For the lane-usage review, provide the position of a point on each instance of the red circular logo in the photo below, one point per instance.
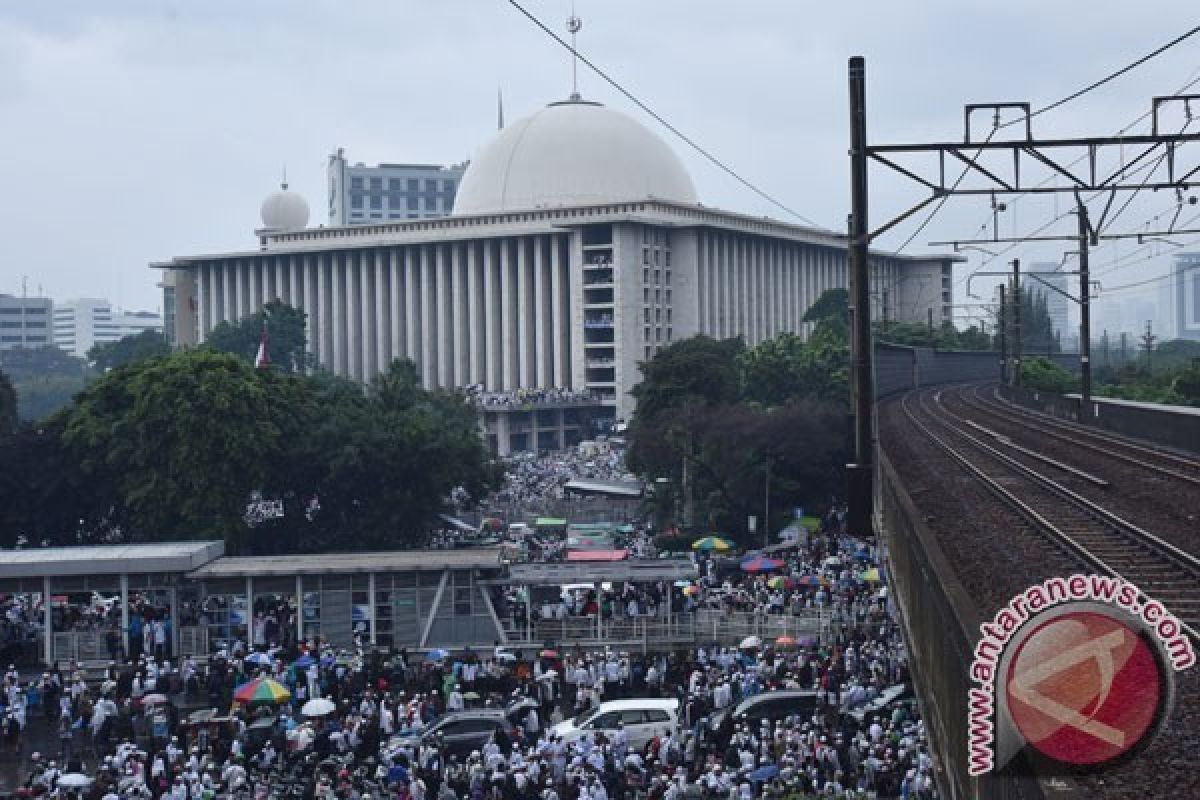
(1084, 688)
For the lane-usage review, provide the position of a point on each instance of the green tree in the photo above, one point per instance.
(109, 355)
(286, 338)
(833, 305)
(185, 439)
(1043, 374)
(697, 370)
(8, 406)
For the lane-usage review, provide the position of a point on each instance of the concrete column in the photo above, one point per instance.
(173, 603)
(250, 613)
(508, 331)
(201, 302)
(396, 301)
(294, 288)
(337, 280)
(541, 367)
(47, 623)
(430, 324)
(458, 299)
(476, 302)
(242, 285)
(300, 608)
(412, 308)
(560, 329)
(525, 311)
(493, 365)
(228, 276)
(370, 604)
(124, 609)
(381, 324)
(363, 312)
(312, 303)
(446, 327)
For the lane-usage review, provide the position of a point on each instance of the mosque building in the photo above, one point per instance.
(576, 249)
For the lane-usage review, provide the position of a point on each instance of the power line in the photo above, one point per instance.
(1106, 79)
(686, 139)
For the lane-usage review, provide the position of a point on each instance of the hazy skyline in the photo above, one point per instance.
(136, 132)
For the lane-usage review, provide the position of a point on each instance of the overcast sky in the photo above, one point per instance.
(136, 131)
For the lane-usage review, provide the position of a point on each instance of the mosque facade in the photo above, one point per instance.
(577, 249)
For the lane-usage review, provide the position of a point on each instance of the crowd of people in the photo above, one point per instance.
(129, 734)
(538, 481)
(519, 398)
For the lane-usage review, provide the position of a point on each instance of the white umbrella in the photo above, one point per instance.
(318, 707)
(750, 643)
(549, 675)
(73, 780)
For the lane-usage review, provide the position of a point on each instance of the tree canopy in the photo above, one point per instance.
(286, 335)
(8, 406)
(193, 444)
(110, 355)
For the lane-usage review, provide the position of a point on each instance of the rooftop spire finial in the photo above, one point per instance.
(283, 183)
(574, 23)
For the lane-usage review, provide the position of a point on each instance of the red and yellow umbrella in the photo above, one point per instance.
(786, 641)
(261, 690)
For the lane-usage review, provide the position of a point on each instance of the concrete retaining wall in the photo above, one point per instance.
(1176, 427)
(899, 368)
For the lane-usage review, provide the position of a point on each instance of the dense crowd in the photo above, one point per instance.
(517, 398)
(534, 481)
(122, 737)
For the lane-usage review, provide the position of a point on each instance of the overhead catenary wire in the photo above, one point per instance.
(660, 119)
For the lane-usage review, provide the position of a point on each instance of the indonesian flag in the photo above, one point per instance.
(263, 358)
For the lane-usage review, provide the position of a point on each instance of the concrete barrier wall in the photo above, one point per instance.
(899, 368)
(941, 624)
(1171, 426)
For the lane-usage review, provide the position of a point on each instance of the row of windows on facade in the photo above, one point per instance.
(658, 315)
(401, 184)
(23, 310)
(655, 334)
(656, 256)
(33, 323)
(659, 297)
(661, 277)
(26, 339)
(398, 201)
(656, 236)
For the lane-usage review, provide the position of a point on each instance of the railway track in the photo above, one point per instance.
(1162, 462)
(1096, 538)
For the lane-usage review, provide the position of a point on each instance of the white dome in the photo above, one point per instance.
(284, 211)
(569, 154)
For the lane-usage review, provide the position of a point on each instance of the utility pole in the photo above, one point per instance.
(1002, 326)
(1148, 339)
(1016, 309)
(859, 474)
(1085, 316)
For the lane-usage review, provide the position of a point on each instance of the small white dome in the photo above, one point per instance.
(569, 154)
(284, 211)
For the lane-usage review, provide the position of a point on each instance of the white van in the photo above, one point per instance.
(642, 718)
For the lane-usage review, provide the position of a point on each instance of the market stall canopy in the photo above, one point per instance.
(632, 570)
(595, 486)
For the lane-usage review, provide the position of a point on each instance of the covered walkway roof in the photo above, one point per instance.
(595, 486)
(638, 571)
(108, 559)
(333, 563)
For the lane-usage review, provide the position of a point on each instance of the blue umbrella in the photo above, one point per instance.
(304, 662)
(763, 774)
(437, 654)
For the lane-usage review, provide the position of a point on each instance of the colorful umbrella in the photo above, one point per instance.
(870, 575)
(261, 690)
(548, 653)
(691, 590)
(761, 564)
(814, 580)
(781, 582)
(785, 641)
(712, 543)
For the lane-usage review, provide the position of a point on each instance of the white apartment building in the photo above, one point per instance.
(81, 324)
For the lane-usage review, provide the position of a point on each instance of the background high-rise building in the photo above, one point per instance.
(360, 195)
(80, 324)
(24, 321)
(1057, 305)
(1185, 285)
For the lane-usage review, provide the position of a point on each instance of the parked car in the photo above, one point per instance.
(885, 698)
(642, 718)
(772, 706)
(461, 731)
